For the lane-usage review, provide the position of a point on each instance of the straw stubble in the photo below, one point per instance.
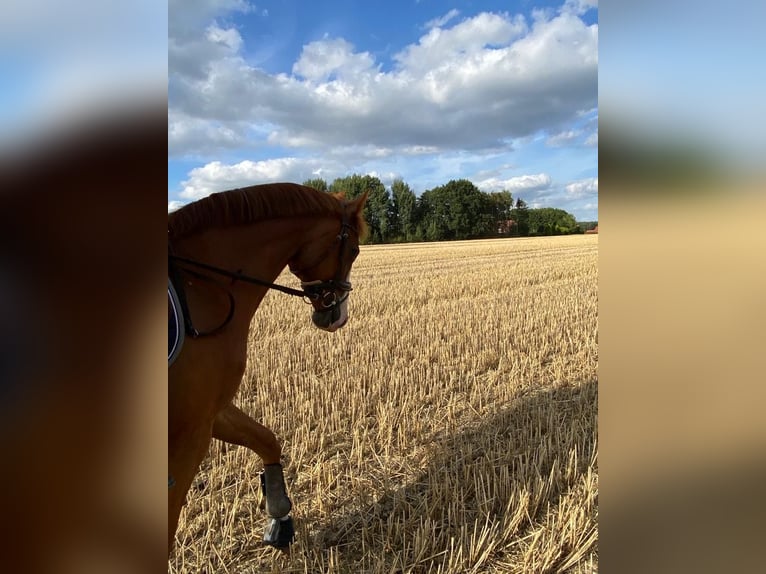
(449, 427)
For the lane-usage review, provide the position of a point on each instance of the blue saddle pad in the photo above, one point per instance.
(175, 324)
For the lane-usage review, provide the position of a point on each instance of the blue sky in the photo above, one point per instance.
(501, 93)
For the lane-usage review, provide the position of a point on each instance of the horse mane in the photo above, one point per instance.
(252, 204)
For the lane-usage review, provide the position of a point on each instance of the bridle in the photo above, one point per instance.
(323, 293)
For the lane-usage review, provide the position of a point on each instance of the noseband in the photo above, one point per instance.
(326, 292)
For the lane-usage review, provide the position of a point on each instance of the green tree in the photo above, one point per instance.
(403, 211)
(426, 228)
(551, 221)
(434, 232)
(502, 204)
(432, 220)
(377, 210)
(457, 210)
(520, 214)
(317, 183)
(586, 225)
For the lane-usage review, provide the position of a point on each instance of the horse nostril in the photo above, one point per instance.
(322, 319)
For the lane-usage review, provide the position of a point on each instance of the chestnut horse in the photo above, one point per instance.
(225, 251)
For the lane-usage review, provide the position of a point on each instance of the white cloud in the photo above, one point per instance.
(227, 37)
(193, 136)
(465, 91)
(386, 178)
(175, 204)
(447, 48)
(517, 184)
(419, 150)
(579, 6)
(217, 176)
(582, 188)
(442, 20)
(188, 14)
(563, 138)
(486, 80)
(279, 138)
(326, 58)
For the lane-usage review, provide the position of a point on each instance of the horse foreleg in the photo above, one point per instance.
(235, 427)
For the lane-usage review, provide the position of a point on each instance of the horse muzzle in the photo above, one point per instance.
(330, 309)
(331, 319)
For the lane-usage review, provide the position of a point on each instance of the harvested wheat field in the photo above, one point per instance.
(449, 427)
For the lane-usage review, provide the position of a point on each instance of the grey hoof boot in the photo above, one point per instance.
(278, 504)
(279, 533)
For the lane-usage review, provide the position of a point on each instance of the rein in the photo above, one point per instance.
(323, 291)
(241, 277)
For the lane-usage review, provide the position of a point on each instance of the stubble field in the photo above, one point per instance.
(450, 426)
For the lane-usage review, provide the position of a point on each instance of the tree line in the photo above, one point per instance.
(456, 210)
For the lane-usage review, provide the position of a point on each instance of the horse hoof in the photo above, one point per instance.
(279, 533)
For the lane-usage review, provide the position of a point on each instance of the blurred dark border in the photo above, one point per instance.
(82, 273)
(681, 308)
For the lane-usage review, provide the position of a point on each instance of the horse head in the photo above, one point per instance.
(324, 265)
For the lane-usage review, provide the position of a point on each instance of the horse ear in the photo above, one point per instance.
(358, 203)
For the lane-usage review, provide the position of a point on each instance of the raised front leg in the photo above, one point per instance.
(235, 427)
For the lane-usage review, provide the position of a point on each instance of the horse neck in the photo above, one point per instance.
(261, 250)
